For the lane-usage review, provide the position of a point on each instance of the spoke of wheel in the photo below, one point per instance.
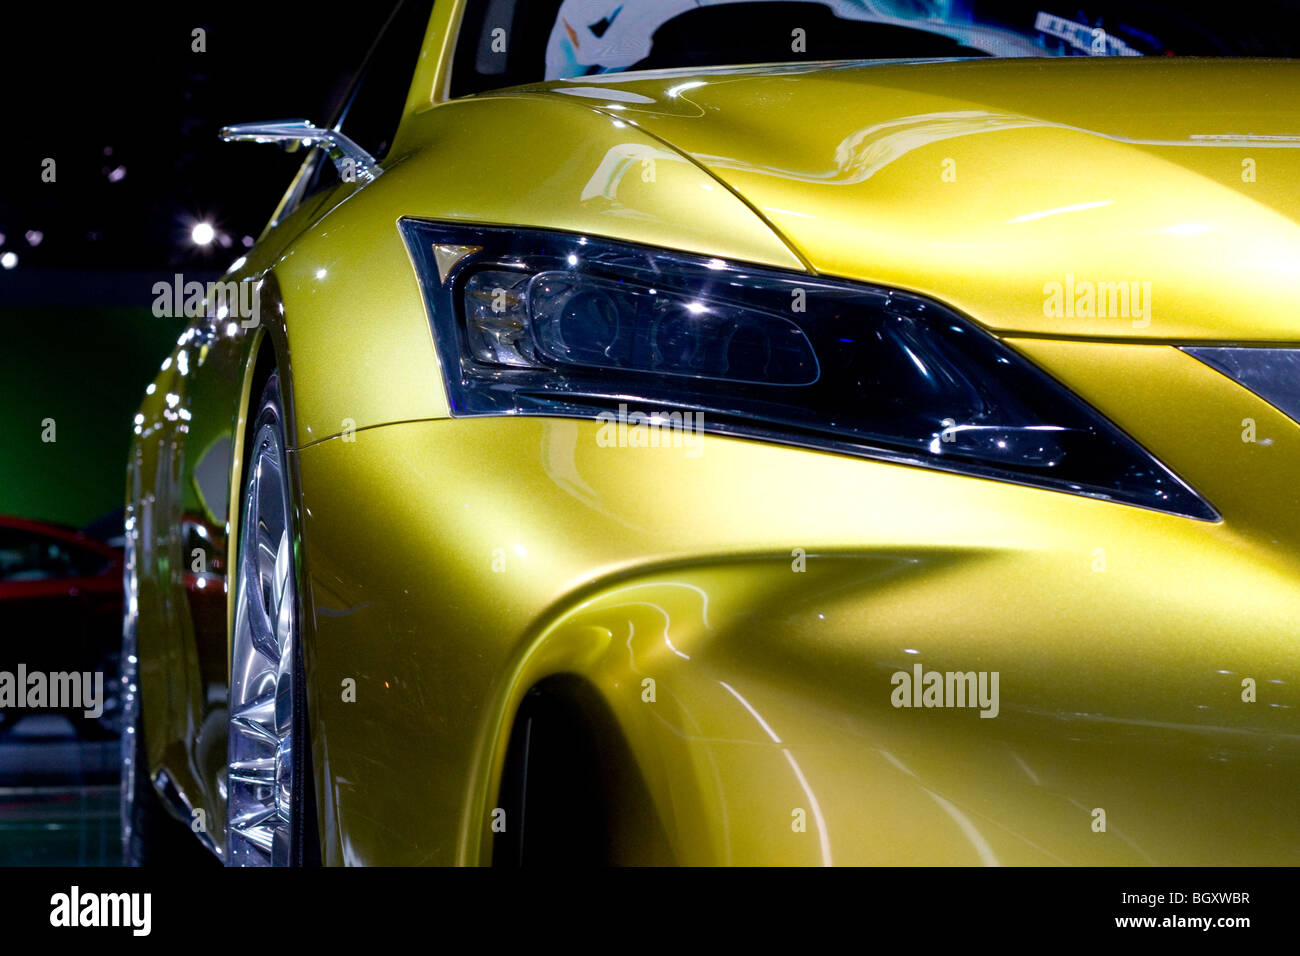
(258, 770)
(261, 837)
(256, 819)
(257, 717)
(281, 578)
(255, 729)
(257, 620)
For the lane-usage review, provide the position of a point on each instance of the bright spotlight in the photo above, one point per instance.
(203, 233)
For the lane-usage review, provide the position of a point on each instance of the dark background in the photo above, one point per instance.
(117, 96)
(114, 87)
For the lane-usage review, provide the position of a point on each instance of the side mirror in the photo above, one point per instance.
(352, 162)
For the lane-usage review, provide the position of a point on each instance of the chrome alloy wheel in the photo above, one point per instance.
(260, 780)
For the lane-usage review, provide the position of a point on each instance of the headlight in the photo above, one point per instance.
(542, 323)
(1272, 374)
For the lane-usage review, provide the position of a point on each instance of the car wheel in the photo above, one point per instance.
(270, 819)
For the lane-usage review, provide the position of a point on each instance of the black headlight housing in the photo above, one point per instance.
(532, 322)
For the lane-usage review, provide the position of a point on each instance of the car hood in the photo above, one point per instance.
(1036, 195)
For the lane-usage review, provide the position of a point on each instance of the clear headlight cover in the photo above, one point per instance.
(1271, 373)
(543, 323)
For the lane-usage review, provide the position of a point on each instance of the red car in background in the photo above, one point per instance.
(61, 611)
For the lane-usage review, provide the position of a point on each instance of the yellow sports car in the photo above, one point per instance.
(673, 431)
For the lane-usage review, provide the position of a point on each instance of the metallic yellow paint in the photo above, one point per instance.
(433, 71)
(980, 182)
(367, 355)
(1121, 635)
(773, 686)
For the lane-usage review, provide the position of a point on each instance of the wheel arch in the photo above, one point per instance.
(598, 657)
(269, 354)
(570, 783)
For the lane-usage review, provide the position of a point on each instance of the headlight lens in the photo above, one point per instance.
(541, 323)
(1272, 374)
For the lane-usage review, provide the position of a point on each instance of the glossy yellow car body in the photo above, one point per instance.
(449, 565)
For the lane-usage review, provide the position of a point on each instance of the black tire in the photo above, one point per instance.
(306, 835)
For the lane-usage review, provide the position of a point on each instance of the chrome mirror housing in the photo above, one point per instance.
(352, 162)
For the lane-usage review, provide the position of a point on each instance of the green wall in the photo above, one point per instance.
(86, 369)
